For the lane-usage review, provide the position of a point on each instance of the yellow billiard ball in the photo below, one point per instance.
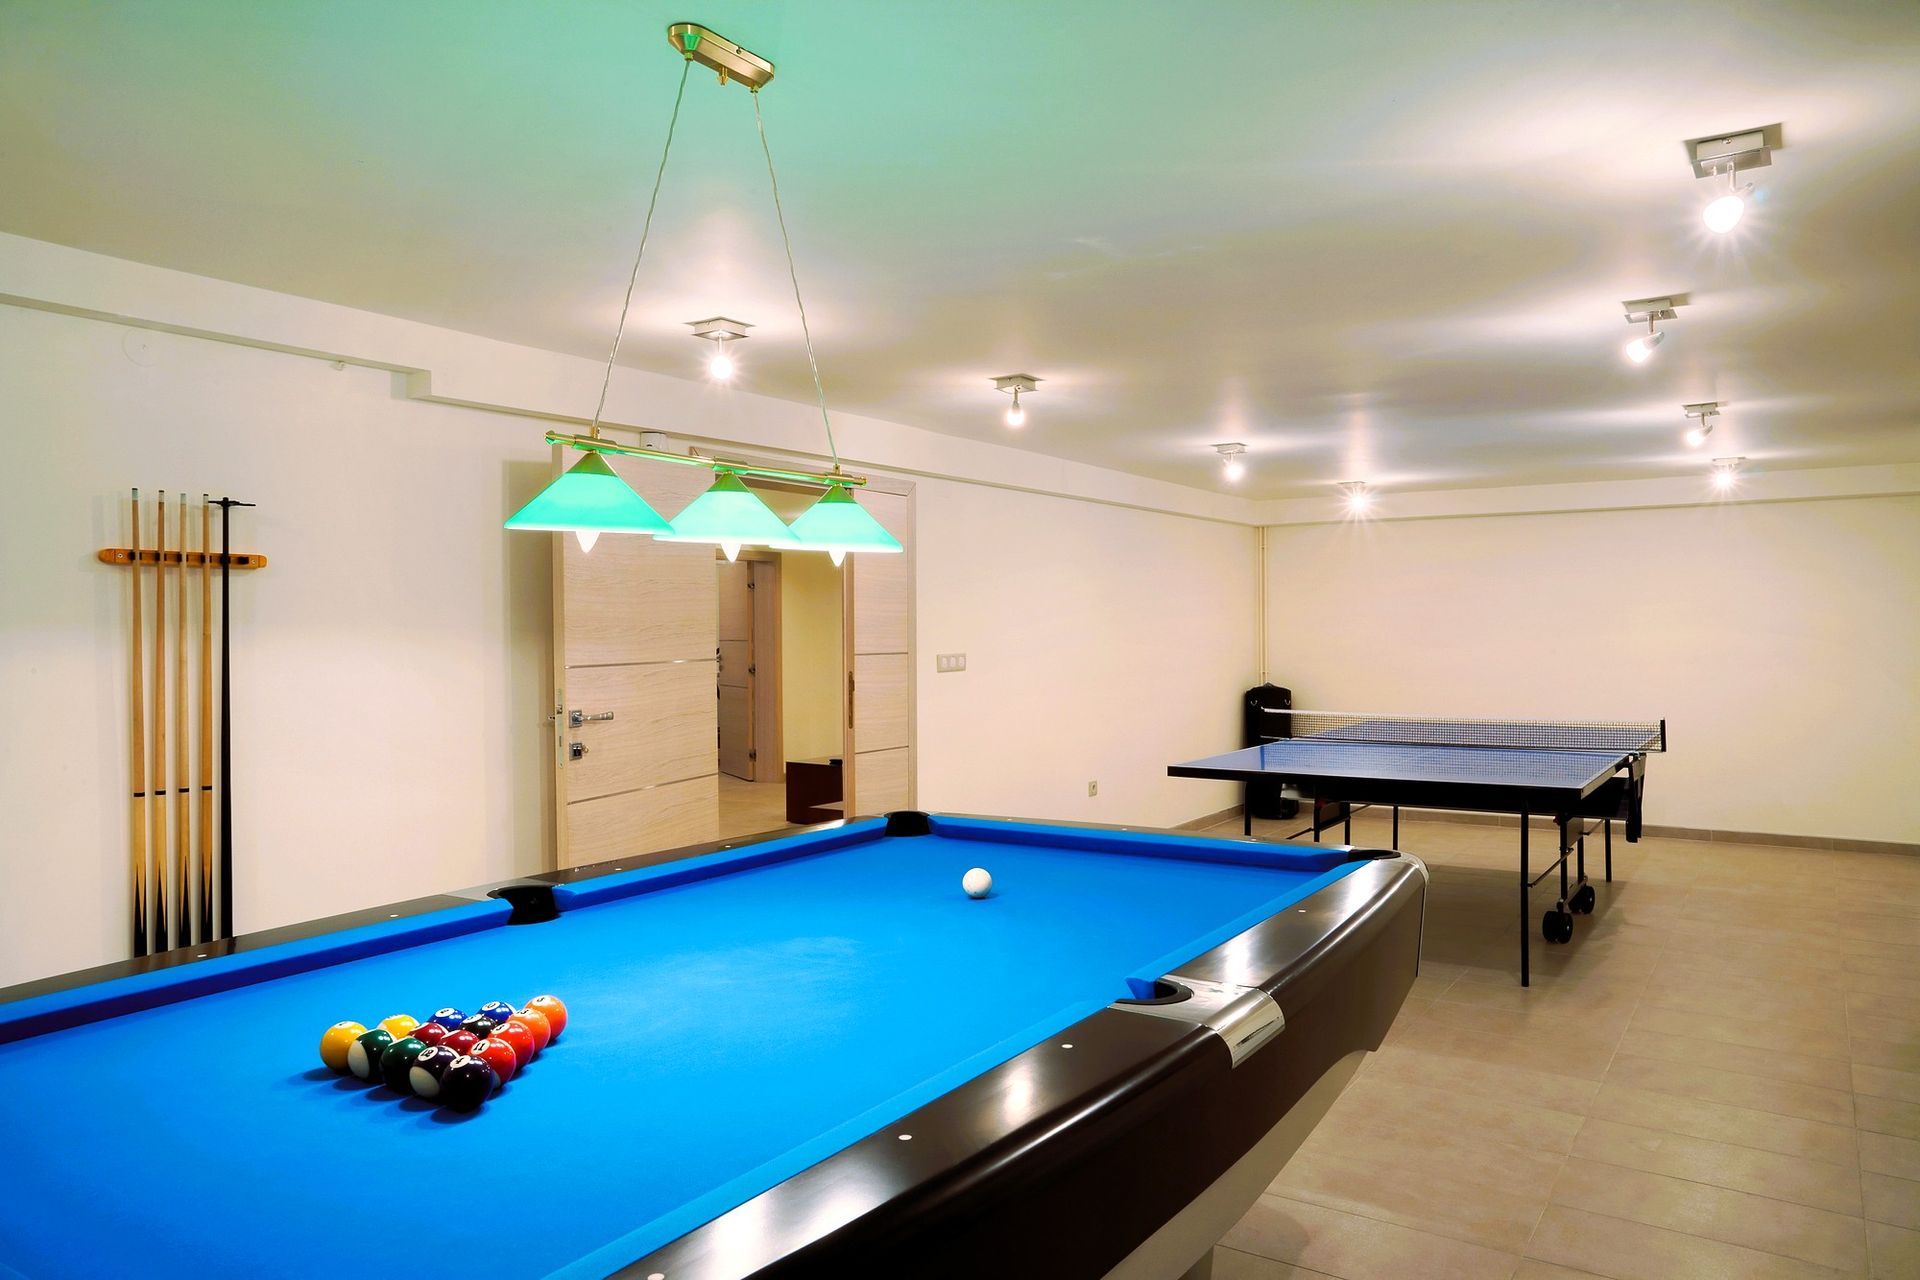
(336, 1041)
(400, 1025)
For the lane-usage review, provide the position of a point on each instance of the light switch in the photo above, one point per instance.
(949, 662)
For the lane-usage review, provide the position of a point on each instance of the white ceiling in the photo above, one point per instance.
(1379, 241)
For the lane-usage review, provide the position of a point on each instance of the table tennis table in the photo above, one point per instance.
(1581, 773)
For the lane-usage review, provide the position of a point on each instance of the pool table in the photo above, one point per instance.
(804, 1055)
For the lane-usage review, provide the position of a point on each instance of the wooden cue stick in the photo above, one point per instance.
(182, 828)
(157, 784)
(206, 720)
(137, 760)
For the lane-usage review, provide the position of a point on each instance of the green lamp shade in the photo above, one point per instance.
(836, 524)
(732, 516)
(589, 499)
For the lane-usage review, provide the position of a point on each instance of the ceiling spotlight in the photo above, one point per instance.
(1728, 154)
(1014, 384)
(1230, 464)
(1359, 497)
(1640, 350)
(720, 331)
(1726, 473)
(1706, 412)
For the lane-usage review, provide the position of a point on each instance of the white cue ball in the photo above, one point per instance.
(977, 883)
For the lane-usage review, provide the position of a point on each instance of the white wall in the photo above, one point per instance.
(391, 663)
(1102, 644)
(1780, 640)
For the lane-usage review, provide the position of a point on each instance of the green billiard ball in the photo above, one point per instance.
(397, 1061)
(363, 1055)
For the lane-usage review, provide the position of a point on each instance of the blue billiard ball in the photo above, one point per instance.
(497, 1010)
(450, 1018)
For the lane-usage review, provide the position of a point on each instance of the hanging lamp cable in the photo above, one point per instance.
(794, 275)
(646, 229)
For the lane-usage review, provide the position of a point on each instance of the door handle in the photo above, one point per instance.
(576, 718)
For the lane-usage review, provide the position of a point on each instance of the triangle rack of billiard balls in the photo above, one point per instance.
(454, 1059)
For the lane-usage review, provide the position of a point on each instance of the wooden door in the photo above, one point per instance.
(879, 655)
(735, 677)
(635, 629)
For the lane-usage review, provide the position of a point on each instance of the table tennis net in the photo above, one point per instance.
(1450, 731)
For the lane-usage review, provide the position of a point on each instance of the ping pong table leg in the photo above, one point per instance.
(1396, 826)
(1246, 814)
(1607, 825)
(1346, 825)
(1525, 937)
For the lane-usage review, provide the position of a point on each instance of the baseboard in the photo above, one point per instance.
(1837, 844)
(1211, 820)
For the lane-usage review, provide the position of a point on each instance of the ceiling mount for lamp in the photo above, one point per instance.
(720, 331)
(1726, 156)
(1230, 464)
(1706, 411)
(1646, 311)
(720, 55)
(1014, 384)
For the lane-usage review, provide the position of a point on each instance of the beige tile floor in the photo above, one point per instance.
(1719, 1076)
(749, 808)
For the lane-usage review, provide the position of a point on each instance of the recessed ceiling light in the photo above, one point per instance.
(1014, 384)
(1230, 464)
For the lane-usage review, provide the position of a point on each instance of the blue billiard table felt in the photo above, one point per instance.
(733, 1020)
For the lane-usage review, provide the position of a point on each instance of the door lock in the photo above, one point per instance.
(575, 750)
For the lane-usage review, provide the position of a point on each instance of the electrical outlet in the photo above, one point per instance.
(1093, 788)
(949, 662)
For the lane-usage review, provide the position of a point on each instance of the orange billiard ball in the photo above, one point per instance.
(550, 1008)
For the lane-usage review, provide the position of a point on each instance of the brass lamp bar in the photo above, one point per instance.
(599, 444)
(718, 54)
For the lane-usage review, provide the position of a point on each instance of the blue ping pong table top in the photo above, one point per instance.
(1326, 757)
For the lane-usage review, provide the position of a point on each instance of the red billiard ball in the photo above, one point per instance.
(499, 1055)
(552, 1010)
(431, 1033)
(517, 1037)
(460, 1041)
(537, 1023)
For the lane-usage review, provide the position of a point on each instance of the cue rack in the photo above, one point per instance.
(174, 843)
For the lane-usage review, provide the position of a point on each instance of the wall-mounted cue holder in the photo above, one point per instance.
(193, 559)
(180, 858)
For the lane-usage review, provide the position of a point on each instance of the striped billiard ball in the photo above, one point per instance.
(364, 1054)
(467, 1083)
(429, 1068)
(536, 1022)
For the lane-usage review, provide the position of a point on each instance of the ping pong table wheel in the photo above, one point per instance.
(1557, 926)
(1583, 900)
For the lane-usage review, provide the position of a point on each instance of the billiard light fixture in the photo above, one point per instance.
(1726, 473)
(590, 498)
(720, 331)
(1727, 155)
(1230, 464)
(1014, 384)
(1648, 310)
(1359, 496)
(1706, 412)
